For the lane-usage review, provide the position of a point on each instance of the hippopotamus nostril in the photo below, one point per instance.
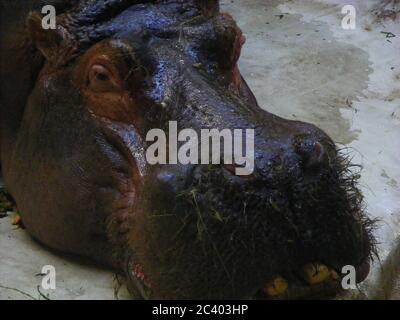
(312, 153)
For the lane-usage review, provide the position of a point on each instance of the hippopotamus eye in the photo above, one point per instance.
(101, 79)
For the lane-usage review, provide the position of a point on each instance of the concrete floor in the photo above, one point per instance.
(301, 65)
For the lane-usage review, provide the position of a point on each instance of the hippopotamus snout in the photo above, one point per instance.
(218, 234)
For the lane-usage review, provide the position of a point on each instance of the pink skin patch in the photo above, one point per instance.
(138, 272)
(318, 149)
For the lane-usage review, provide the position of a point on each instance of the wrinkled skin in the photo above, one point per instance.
(76, 104)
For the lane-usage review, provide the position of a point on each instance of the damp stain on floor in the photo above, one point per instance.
(298, 70)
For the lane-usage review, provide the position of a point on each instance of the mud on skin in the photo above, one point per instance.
(76, 104)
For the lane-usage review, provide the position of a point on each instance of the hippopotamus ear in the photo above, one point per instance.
(56, 45)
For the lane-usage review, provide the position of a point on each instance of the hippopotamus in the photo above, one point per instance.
(76, 104)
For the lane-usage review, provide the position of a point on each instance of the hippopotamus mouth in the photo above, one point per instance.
(283, 232)
(316, 281)
(248, 238)
(116, 70)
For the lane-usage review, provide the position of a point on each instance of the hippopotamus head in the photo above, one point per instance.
(115, 70)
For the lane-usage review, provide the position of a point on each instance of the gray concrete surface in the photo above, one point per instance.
(301, 65)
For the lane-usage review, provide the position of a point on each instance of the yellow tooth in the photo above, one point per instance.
(315, 273)
(276, 287)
